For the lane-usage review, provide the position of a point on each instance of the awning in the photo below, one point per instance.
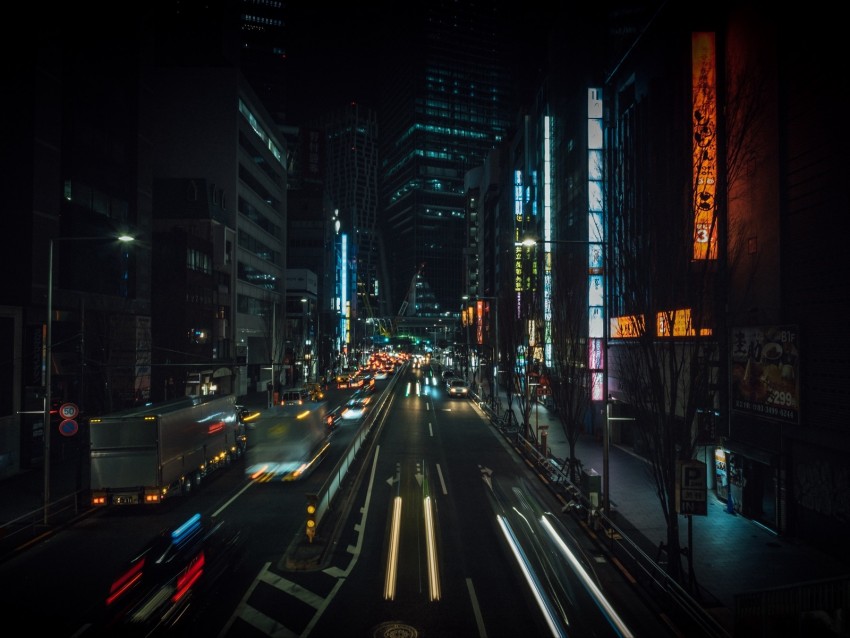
(222, 372)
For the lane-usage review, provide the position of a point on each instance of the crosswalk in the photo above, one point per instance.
(283, 604)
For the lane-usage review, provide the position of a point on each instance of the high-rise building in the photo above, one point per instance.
(262, 52)
(74, 302)
(449, 98)
(351, 185)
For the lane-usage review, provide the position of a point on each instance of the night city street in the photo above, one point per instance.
(424, 319)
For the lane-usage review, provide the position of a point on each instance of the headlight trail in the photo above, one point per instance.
(431, 543)
(391, 575)
(534, 585)
(603, 603)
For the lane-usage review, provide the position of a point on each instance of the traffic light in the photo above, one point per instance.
(312, 509)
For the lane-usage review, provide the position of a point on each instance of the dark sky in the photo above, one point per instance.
(333, 55)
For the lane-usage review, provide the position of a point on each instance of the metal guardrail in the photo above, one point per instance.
(650, 573)
(328, 491)
(23, 530)
(815, 608)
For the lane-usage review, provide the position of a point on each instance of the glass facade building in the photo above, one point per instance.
(450, 101)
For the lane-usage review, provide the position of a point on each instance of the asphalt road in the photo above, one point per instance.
(418, 548)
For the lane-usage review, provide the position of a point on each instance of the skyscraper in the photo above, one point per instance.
(449, 98)
(351, 186)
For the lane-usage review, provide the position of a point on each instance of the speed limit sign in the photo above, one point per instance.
(68, 411)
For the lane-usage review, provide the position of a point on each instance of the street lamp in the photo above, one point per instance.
(48, 358)
(597, 265)
(305, 330)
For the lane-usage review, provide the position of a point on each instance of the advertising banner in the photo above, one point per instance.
(764, 372)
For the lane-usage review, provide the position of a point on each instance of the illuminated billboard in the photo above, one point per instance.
(765, 372)
(704, 113)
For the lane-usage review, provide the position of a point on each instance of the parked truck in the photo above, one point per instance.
(146, 454)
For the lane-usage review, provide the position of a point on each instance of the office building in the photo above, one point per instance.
(449, 97)
(716, 177)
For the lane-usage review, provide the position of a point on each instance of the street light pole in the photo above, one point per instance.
(48, 360)
(606, 438)
(305, 331)
(606, 442)
(606, 432)
(48, 379)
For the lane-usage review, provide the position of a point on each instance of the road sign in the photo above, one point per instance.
(69, 410)
(68, 427)
(691, 488)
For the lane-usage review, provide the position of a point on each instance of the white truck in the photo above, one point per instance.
(146, 454)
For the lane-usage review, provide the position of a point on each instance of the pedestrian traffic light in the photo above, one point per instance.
(312, 509)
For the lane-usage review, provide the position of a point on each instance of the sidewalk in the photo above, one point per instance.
(731, 553)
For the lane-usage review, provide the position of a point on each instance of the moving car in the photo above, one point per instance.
(247, 415)
(354, 409)
(160, 584)
(316, 391)
(457, 388)
(295, 397)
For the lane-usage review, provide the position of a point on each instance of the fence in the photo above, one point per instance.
(654, 580)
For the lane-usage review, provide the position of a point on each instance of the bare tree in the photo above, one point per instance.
(511, 337)
(668, 278)
(569, 377)
(520, 335)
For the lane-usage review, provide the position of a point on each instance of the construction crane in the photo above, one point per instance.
(411, 293)
(389, 327)
(370, 314)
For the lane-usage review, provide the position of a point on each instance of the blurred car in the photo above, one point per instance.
(368, 384)
(342, 380)
(457, 388)
(448, 375)
(295, 397)
(354, 409)
(332, 419)
(160, 584)
(316, 391)
(247, 415)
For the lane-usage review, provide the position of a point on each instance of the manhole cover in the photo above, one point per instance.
(394, 629)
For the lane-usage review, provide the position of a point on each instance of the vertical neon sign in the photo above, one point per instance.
(705, 144)
(596, 246)
(346, 305)
(547, 237)
(519, 223)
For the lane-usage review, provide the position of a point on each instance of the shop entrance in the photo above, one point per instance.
(759, 492)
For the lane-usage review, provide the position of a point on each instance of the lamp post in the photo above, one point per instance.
(595, 267)
(304, 333)
(270, 386)
(48, 358)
